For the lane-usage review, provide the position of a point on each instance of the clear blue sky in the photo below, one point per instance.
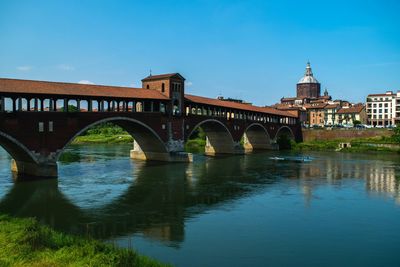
(254, 50)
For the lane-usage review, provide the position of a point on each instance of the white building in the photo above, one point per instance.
(383, 109)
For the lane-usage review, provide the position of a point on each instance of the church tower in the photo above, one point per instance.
(308, 86)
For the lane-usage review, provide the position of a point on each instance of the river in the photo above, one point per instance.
(340, 209)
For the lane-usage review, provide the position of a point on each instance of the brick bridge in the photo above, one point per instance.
(39, 119)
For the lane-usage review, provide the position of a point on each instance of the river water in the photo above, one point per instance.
(340, 209)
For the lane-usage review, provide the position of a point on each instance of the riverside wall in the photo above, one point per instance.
(343, 133)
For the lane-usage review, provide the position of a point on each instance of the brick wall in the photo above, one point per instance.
(322, 134)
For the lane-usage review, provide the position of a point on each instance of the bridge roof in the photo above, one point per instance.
(235, 105)
(15, 86)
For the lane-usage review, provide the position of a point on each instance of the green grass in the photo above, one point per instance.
(357, 145)
(317, 145)
(103, 139)
(24, 242)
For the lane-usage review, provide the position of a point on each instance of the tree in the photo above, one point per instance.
(396, 134)
(71, 108)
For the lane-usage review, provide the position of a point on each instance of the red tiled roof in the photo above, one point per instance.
(235, 105)
(75, 89)
(354, 109)
(287, 107)
(162, 76)
(381, 94)
(288, 98)
(315, 106)
(331, 106)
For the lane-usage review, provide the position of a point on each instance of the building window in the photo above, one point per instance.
(163, 87)
(148, 87)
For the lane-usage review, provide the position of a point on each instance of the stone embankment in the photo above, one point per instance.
(343, 133)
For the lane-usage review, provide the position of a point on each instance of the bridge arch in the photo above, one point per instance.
(219, 139)
(146, 139)
(284, 136)
(255, 137)
(17, 150)
(23, 160)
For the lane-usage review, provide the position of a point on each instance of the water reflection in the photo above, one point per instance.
(156, 202)
(103, 194)
(381, 176)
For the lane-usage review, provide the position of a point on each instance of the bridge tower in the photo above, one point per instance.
(172, 86)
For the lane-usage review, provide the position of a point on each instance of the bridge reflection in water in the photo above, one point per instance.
(156, 199)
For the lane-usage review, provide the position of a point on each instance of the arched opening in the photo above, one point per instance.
(59, 105)
(83, 106)
(256, 137)
(23, 104)
(175, 107)
(121, 130)
(284, 138)
(72, 105)
(46, 105)
(139, 107)
(94, 107)
(22, 159)
(216, 138)
(8, 104)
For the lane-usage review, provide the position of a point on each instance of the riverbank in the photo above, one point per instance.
(103, 139)
(360, 141)
(379, 144)
(24, 242)
(382, 144)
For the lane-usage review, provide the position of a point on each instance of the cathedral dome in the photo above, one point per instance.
(308, 76)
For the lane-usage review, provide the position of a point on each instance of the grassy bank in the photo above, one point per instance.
(357, 145)
(106, 133)
(24, 242)
(103, 139)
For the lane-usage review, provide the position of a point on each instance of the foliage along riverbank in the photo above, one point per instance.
(106, 133)
(109, 133)
(379, 144)
(24, 242)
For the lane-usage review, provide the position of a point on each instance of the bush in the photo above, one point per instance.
(106, 129)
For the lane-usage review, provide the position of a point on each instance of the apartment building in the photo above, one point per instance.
(383, 109)
(349, 115)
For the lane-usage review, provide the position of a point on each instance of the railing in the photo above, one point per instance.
(22, 104)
